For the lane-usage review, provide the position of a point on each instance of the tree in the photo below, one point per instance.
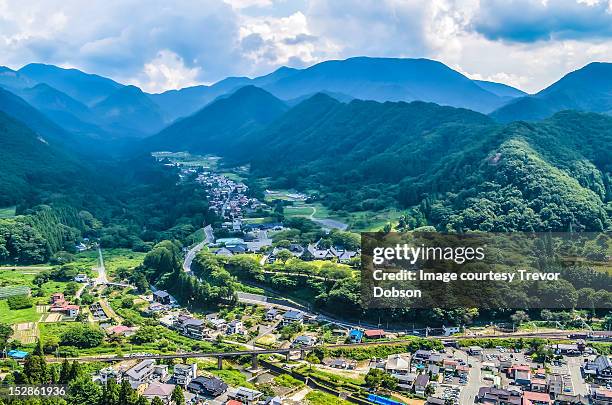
(177, 397)
(377, 378)
(283, 255)
(5, 334)
(81, 391)
(157, 401)
(83, 336)
(519, 317)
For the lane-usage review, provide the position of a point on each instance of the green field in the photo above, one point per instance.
(113, 259)
(7, 212)
(13, 316)
(189, 160)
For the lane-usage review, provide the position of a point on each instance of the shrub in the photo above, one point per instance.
(19, 302)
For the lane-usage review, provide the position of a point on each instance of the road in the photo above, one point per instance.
(327, 222)
(102, 278)
(470, 390)
(191, 254)
(579, 386)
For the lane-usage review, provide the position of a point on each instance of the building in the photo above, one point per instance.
(375, 334)
(121, 330)
(107, 374)
(162, 297)
(246, 396)
(81, 278)
(159, 390)
(184, 373)
(191, 327)
(601, 368)
(536, 398)
(397, 364)
(496, 396)
(235, 327)
(474, 350)
(556, 384)
(355, 336)
(422, 356)
(420, 384)
(304, 341)
(271, 314)
(206, 386)
(141, 373)
(601, 396)
(292, 316)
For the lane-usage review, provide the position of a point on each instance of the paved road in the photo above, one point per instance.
(470, 390)
(102, 278)
(327, 222)
(210, 238)
(579, 386)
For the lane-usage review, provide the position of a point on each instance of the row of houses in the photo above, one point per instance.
(314, 252)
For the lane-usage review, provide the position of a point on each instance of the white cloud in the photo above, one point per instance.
(166, 71)
(161, 45)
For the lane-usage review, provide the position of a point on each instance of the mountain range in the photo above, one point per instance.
(367, 133)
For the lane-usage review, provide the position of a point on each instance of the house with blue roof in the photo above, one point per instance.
(355, 336)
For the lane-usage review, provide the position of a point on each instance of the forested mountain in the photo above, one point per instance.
(29, 162)
(13, 80)
(129, 112)
(221, 125)
(586, 89)
(477, 174)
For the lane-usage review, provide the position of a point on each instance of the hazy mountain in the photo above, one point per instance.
(14, 81)
(221, 124)
(387, 79)
(130, 112)
(500, 89)
(18, 109)
(87, 88)
(586, 89)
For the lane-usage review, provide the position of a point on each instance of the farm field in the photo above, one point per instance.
(7, 212)
(113, 259)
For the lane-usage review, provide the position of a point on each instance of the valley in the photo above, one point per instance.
(212, 233)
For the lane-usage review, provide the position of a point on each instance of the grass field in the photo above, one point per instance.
(7, 212)
(323, 398)
(113, 259)
(13, 316)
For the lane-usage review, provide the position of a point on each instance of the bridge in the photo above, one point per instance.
(302, 350)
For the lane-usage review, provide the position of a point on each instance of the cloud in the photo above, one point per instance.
(166, 71)
(161, 45)
(537, 20)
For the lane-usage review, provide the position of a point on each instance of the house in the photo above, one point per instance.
(70, 310)
(184, 373)
(474, 350)
(191, 327)
(397, 364)
(420, 384)
(602, 368)
(224, 252)
(206, 386)
(496, 396)
(374, 333)
(141, 373)
(569, 349)
(567, 399)
(536, 398)
(538, 385)
(405, 381)
(342, 364)
(292, 316)
(304, 341)
(121, 330)
(450, 330)
(601, 396)
(218, 324)
(355, 336)
(235, 327)
(271, 314)
(162, 297)
(107, 374)
(159, 390)
(556, 384)
(246, 395)
(81, 278)
(522, 377)
(422, 356)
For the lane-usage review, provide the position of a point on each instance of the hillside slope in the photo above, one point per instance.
(586, 89)
(221, 124)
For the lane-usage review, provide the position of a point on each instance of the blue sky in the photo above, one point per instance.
(161, 45)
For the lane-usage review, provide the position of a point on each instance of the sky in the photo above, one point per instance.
(160, 45)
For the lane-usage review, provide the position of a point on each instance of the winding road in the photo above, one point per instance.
(191, 254)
